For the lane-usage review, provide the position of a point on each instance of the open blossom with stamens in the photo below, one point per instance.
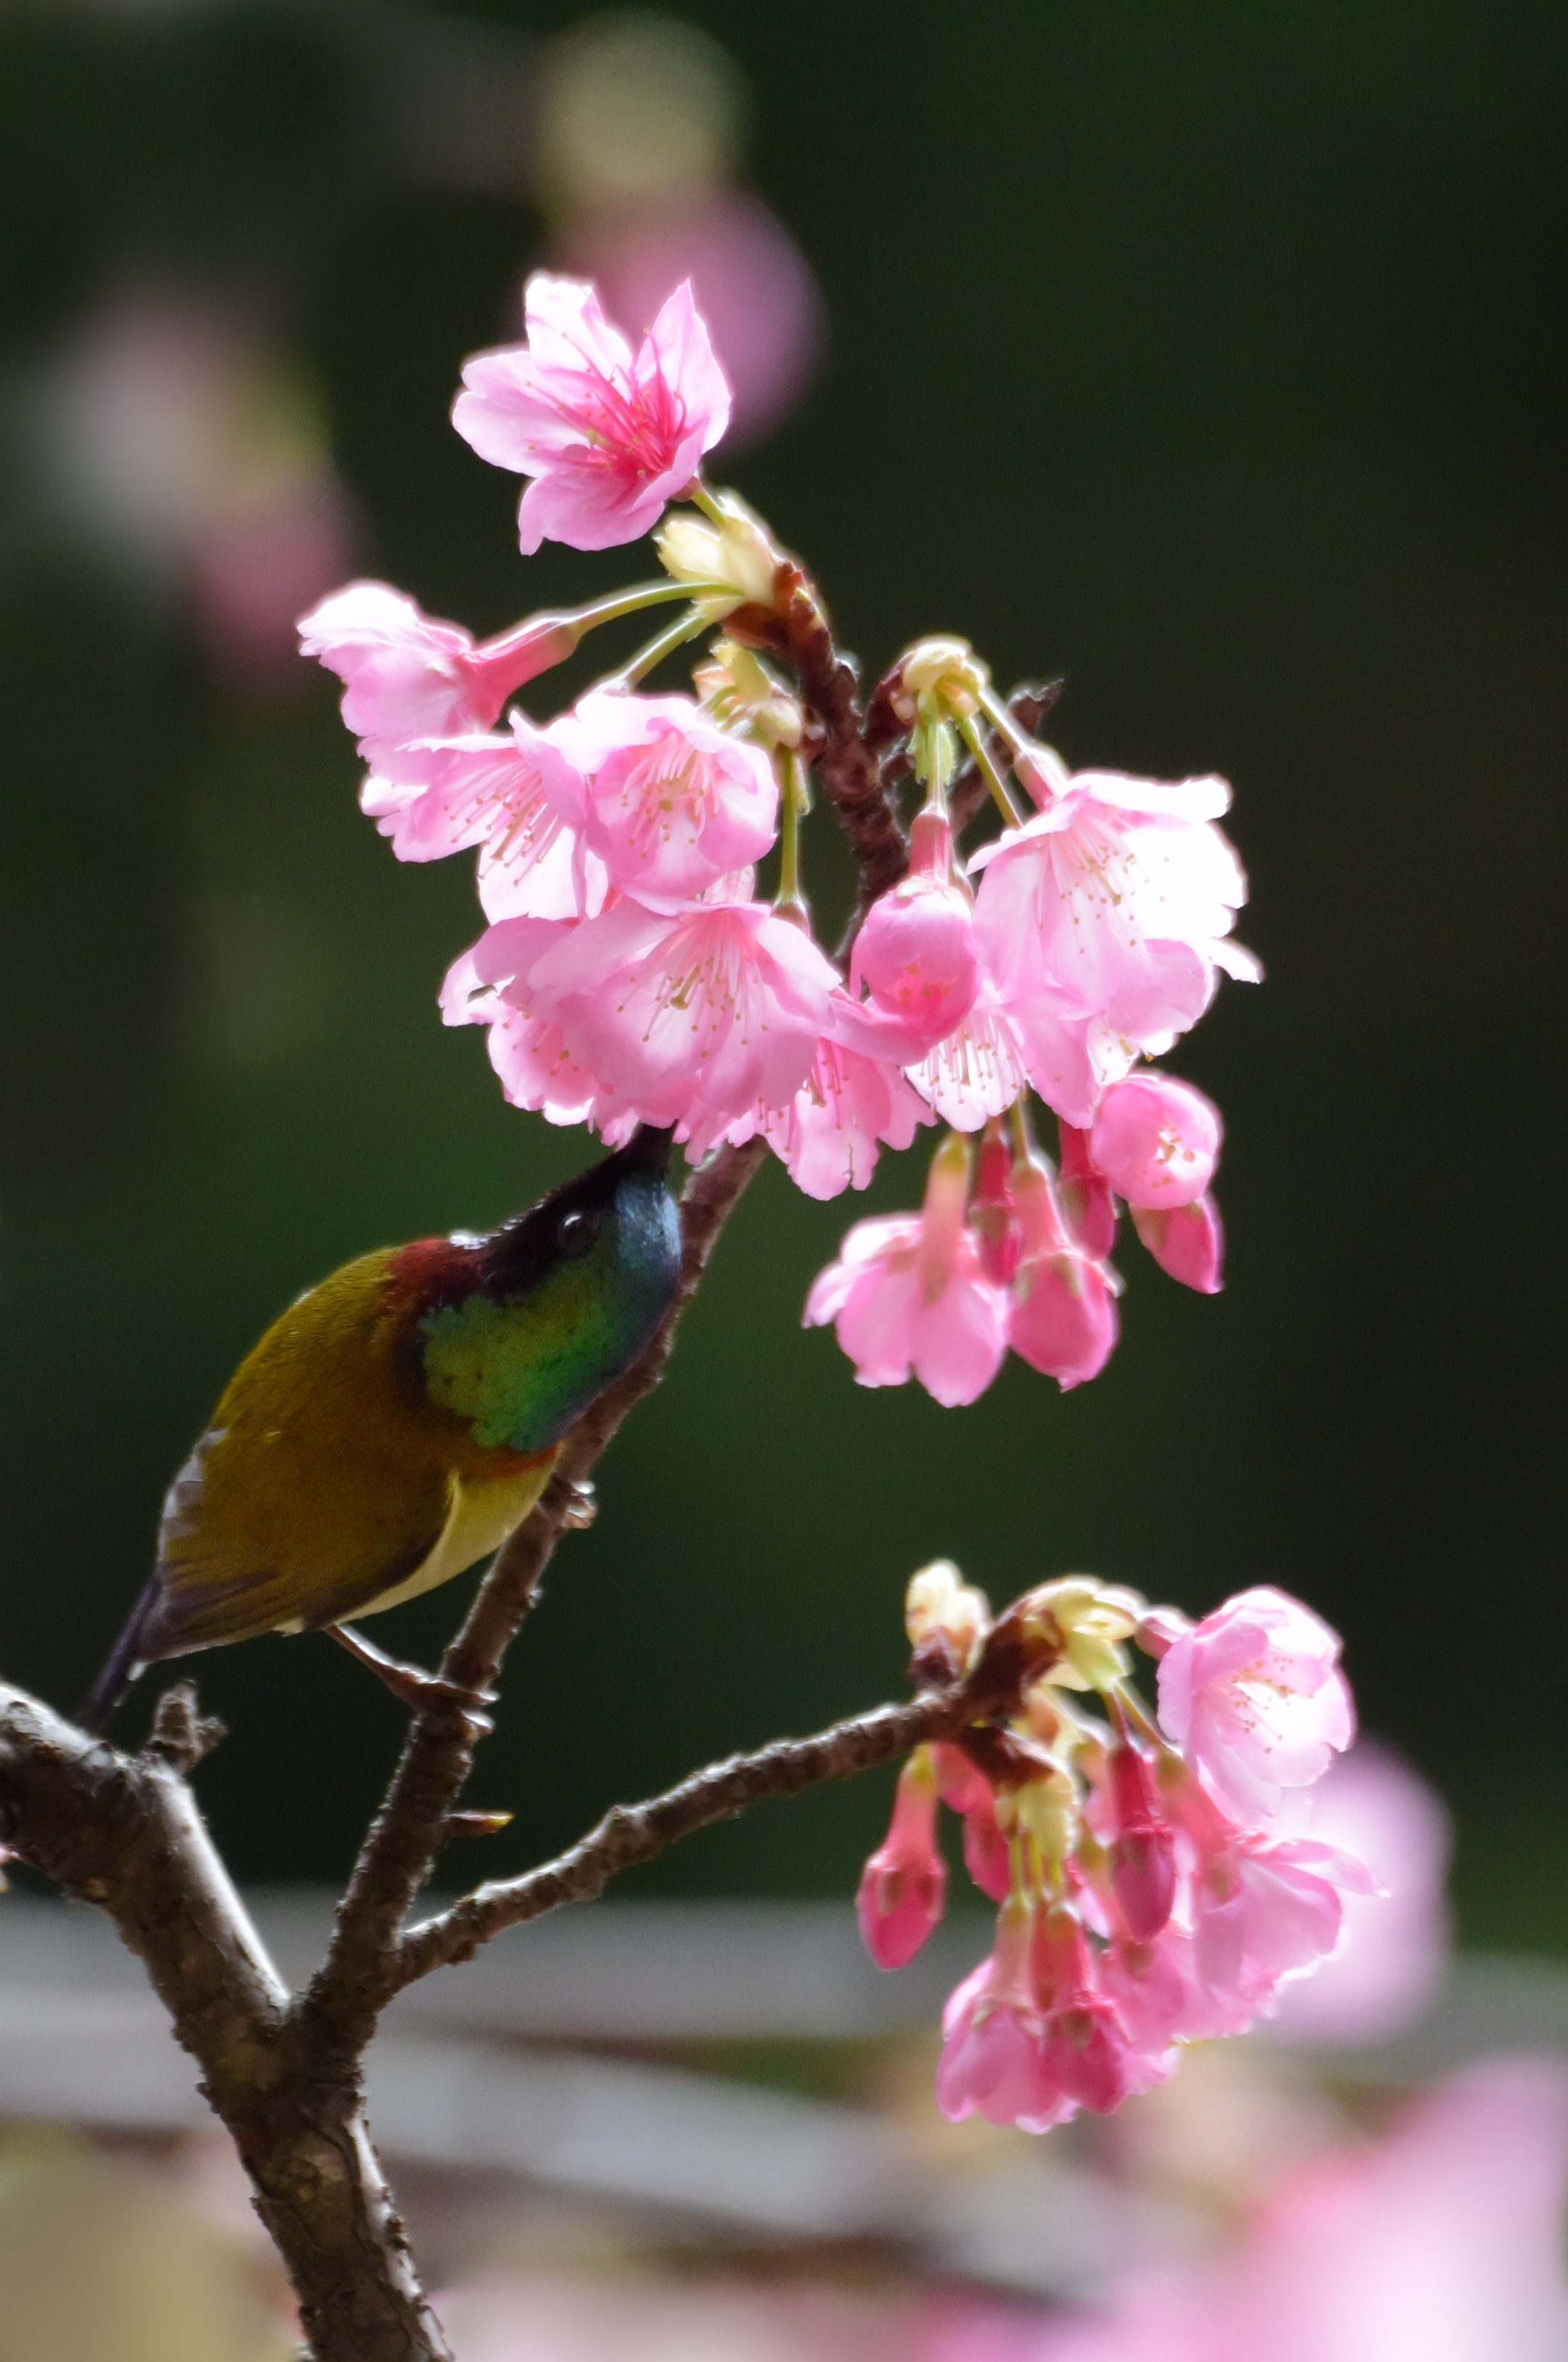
(977, 1071)
(407, 675)
(692, 1016)
(1255, 1696)
(908, 1292)
(1114, 903)
(487, 985)
(1155, 1140)
(609, 438)
(669, 802)
(829, 1134)
(503, 791)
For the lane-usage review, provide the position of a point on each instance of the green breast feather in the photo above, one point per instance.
(523, 1366)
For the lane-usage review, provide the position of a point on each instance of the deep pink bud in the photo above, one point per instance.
(903, 1886)
(1188, 1243)
(1085, 1195)
(1063, 1319)
(1155, 1140)
(1143, 1850)
(991, 1214)
(915, 953)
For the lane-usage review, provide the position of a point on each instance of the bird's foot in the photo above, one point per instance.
(583, 1507)
(420, 1691)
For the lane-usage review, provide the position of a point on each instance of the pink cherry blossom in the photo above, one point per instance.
(505, 791)
(1155, 1140)
(904, 1883)
(1188, 1242)
(487, 985)
(993, 2050)
(1394, 1948)
(974, 1072)
(608, 439)
(1102, 920)
(828, 1133)
(1063, 1316)
(1089, 2056)
(669, 802)
(406, 676)
(915, 953)
(1255, 1696)
(908, 1292)
(967, 1791)
(691, 1016)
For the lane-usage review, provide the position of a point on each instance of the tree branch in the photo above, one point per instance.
(634, 1833)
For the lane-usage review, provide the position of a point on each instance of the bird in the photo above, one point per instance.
(400, 1421)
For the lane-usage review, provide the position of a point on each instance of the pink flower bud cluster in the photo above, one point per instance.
(1148, 1893)
(629, 972)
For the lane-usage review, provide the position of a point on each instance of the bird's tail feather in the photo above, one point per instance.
(122, 1666)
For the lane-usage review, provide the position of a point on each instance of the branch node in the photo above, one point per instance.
(181, 1734)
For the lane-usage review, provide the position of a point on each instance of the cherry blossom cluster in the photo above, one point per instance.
(630, 972)
(1154, 1885)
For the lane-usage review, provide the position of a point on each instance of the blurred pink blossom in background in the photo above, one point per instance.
(1394, 1948)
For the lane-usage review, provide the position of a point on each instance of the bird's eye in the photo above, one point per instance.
(575, 1234)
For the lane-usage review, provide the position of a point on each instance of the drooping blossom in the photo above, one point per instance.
(505, 791)
(1138, 1911)
(1394, 1948)
(692, 1016)
(1102, 921)
(908, 1292)
(407, 675)
(904, 1883)
(669, 802)
(1155, 1140)
(1188, 1242)
(609, 438)
(1255, 1696)
(828, 1135)
(487, 985)
(1063, 1316)
(976, 1072)
(1086, 1197)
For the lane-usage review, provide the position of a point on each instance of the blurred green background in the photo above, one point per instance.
(1214, 356)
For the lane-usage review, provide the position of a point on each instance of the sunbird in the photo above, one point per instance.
(400, 1421)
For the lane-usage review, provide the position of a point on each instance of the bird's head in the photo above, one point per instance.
(550, 1308)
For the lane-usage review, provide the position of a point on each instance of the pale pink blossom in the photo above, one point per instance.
(502, 790)
(1394, 1948)
(828, 1134)
(908, 1292)
(487, 985)
(691, 1016)
(1155, 1140)
(1102, 921)
(1188, 1242)
(1254, 1698)
(667, 801)
(993, 2047)
(974, 1072)
(914, 955)
(1063, 1316)
(904, 1883)
(407, 675)
(608, 439)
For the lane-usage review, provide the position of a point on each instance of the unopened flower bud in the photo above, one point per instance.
(740, 692)
(942, 680)
(939, 1605)
(1086, 1622)
(737, 552)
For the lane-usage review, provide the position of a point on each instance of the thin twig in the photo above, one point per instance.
(635, 1833)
